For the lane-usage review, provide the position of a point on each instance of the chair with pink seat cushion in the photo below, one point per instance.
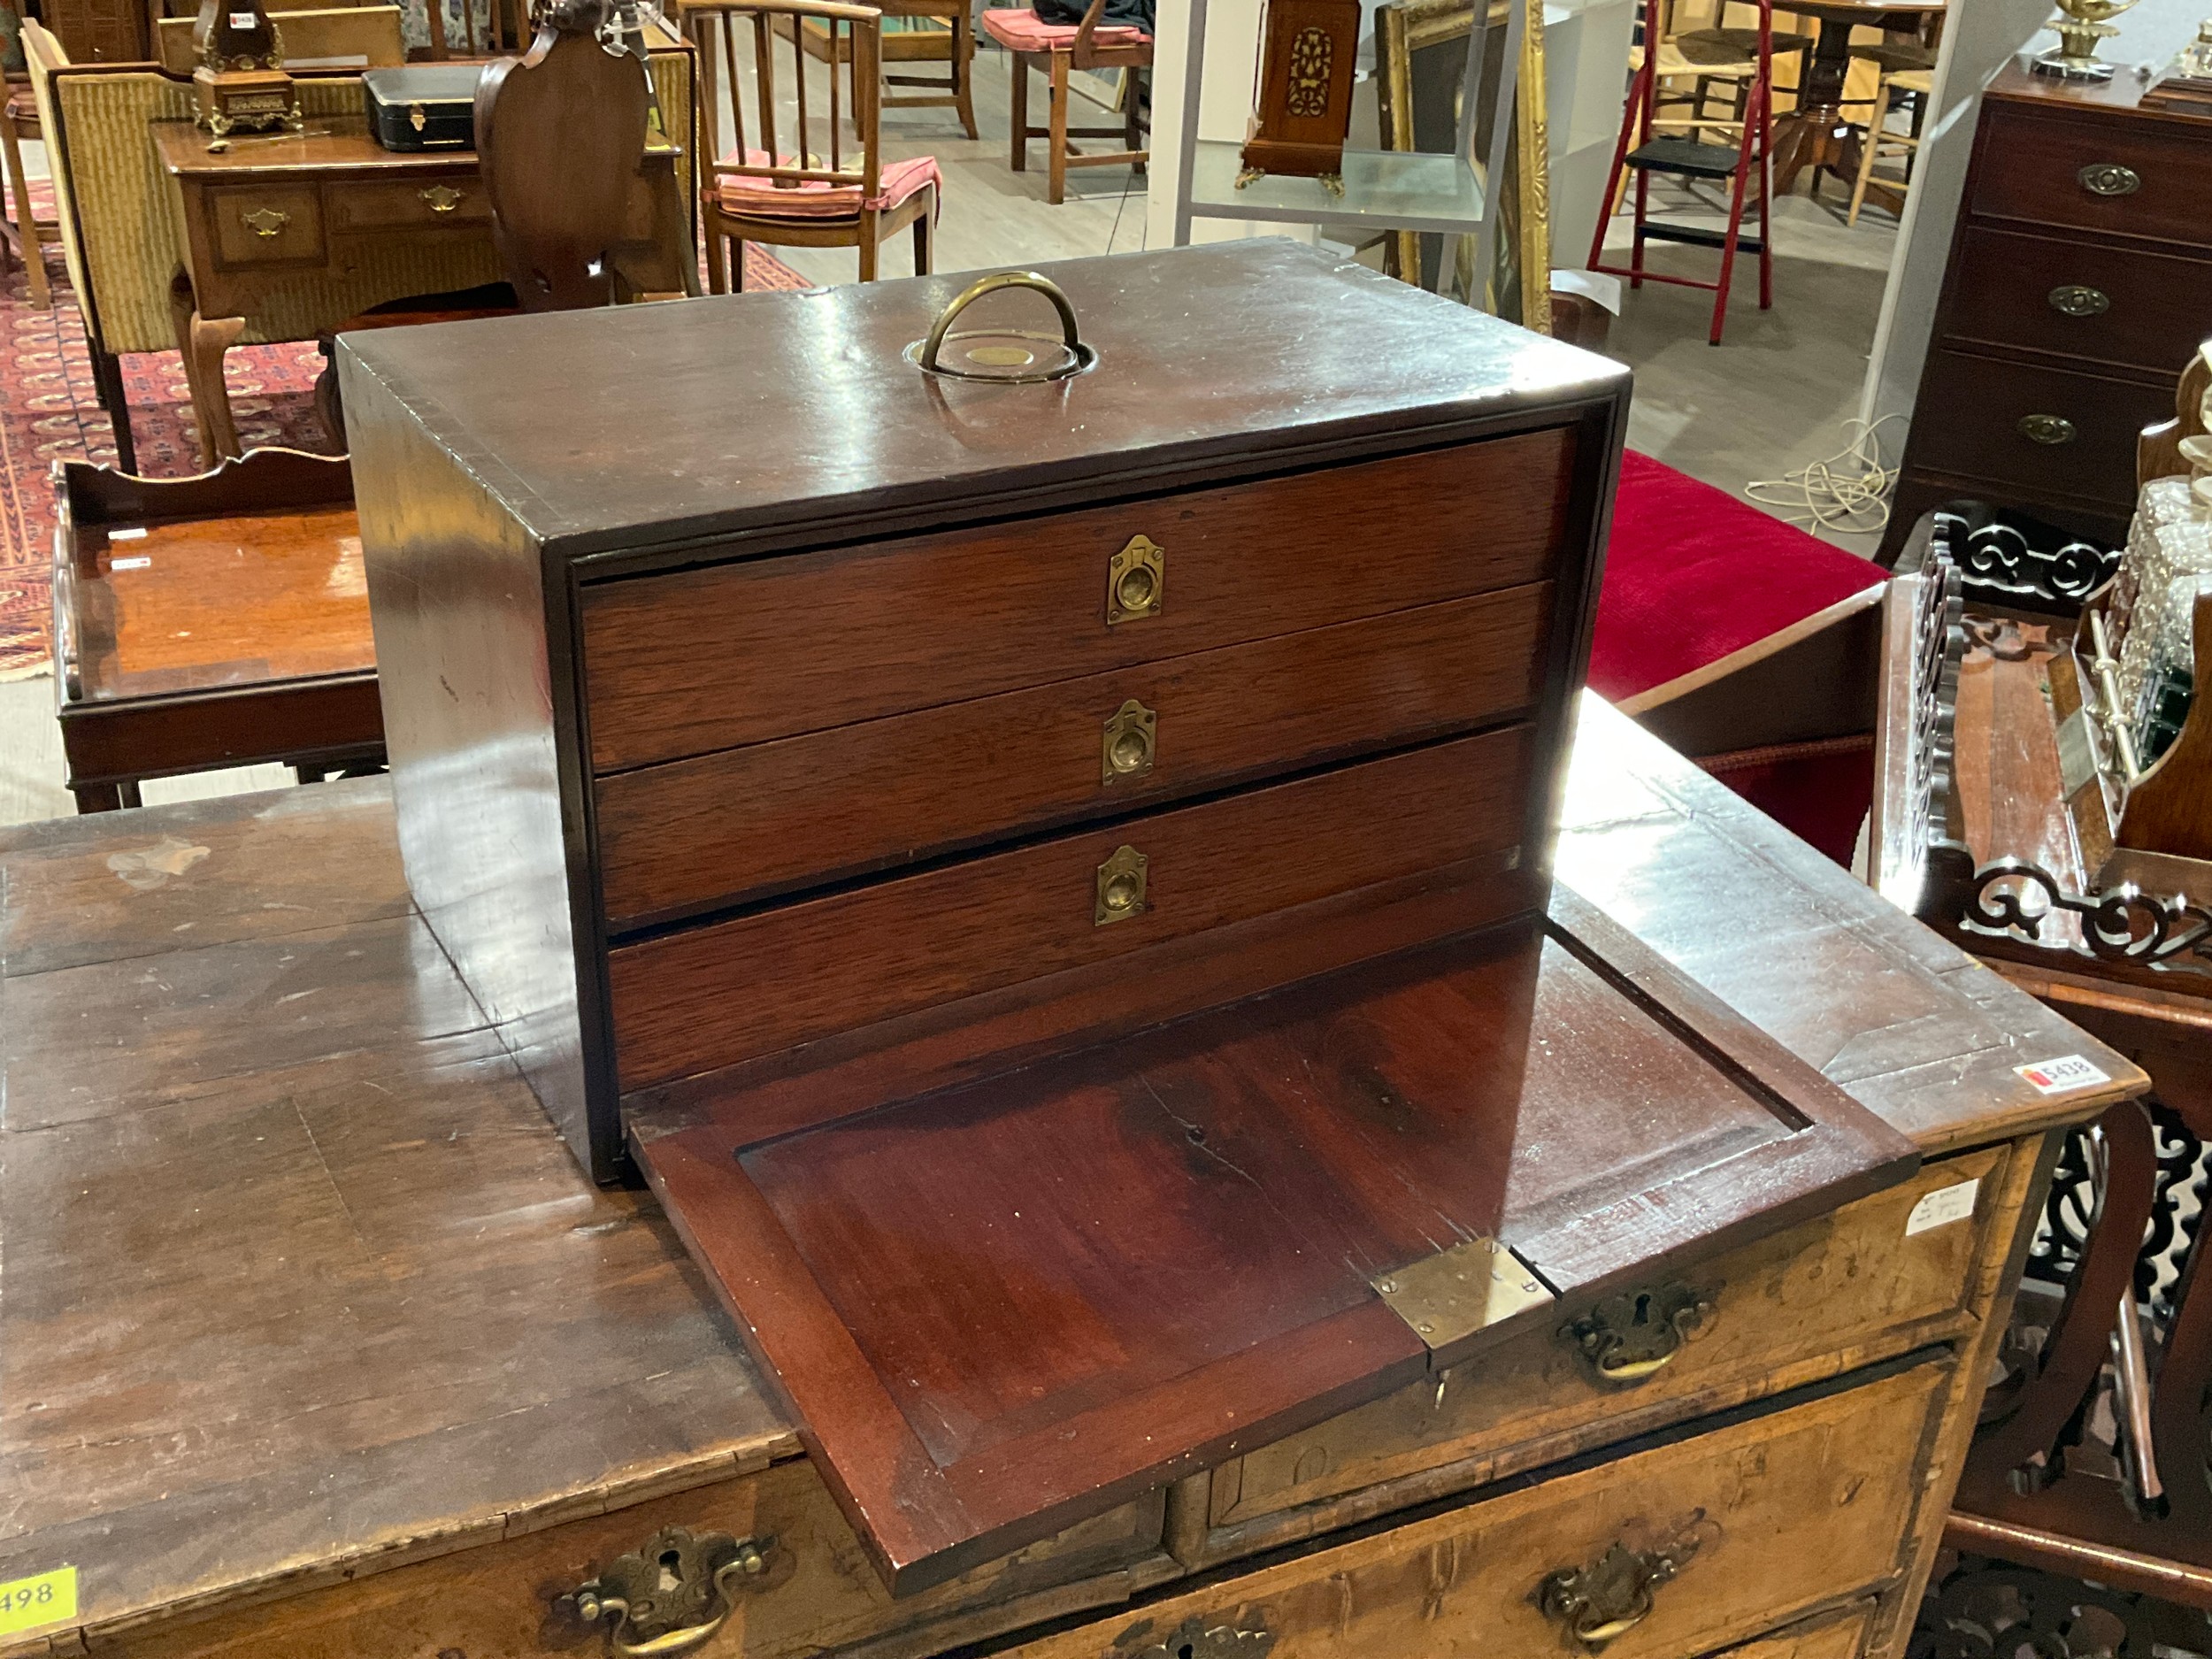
(1058, 49)
(825, 184)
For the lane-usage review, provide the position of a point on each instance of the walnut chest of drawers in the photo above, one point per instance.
(1051, 882)
(2079, 283)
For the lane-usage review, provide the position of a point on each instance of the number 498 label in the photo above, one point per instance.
(2059, 1076)
(47, 1598)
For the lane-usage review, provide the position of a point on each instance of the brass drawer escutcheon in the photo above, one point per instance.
(1631, 1337)
(1127, 746)
(1598, 1604)
(1195, 1639)
(1136, 582)
(676, 1593)
(265, 221)
(2074, 299)
(2109, 177)
(442, 198)
(2052, 429)
(1120, 887)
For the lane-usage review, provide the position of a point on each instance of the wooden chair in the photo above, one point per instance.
(1916, 84)
(945, 34)
(22, 231)
(1058, 49)
(762, 192)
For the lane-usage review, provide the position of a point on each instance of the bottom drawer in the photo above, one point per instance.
(2040, 429)
(1763, 1520)
(1841, 1635)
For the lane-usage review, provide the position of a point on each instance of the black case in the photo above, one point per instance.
(422, 106)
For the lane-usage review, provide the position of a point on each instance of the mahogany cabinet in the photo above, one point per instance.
(1051, 882)
(2080, 274)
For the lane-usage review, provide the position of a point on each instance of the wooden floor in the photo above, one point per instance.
(1772, 397)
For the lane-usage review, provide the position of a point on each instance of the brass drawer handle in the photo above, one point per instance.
(2109, 177)
(1136, 582)
(442, 198)
(2075, 300)
(1120, 893)
(265, 221)
(1631, 1337)
(676, 1593)
(2047, 429)
(1125, 749)
(1597, 1604)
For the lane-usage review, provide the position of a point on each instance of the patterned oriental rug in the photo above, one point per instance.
(49, 412)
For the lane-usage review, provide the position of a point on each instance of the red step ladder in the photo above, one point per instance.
(1643, 152)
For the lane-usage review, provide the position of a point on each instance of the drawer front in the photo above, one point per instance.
(2083, 298)
(1767, 1519)
(261, 225)
(1832, 1636)
(808, 810)
(1983, 422)
(416, 204)
(503, 1599)
(709, 660)
(716, 995)
(2128, 177)
(1869, 1281)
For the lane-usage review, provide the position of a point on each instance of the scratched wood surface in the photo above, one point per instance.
(297, 1284)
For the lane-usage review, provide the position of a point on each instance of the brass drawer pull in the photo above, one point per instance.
(1631, 1337)
(1126, 748)
(265, 221)
(1597, 1604)
(2047, 429)
(676, 1593)
(1120, 894)
(2109, 177)
(1136, 582)
(442, 198)
(2075, 300)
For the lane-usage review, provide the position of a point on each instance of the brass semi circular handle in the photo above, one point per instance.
(2109, 177)
(675, 1593)
(1034, 281)
(1629, 1338)
(265, 221)
(2047, 429)
(442, 198)
(1600, 1603)
(2074, 299)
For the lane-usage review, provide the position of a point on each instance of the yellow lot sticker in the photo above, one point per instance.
(45, 1598)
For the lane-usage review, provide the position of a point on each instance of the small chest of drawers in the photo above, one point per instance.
(2079, 283)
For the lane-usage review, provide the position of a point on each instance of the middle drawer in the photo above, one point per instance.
(809, 810)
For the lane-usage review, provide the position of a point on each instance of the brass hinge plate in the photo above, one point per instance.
(1454, 1293)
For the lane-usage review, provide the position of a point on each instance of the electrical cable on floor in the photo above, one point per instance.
(1848, 492)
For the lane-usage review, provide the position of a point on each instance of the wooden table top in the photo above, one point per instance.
(331, 143)
(200, 603)
(300, 1283)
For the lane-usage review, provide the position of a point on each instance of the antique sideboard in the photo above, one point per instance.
(318, 1342)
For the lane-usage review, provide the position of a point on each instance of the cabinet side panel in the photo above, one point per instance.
(460, 616)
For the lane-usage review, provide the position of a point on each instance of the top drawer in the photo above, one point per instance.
(739, 653)
(2132, 178)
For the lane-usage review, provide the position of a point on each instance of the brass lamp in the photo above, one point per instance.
(2080, 24)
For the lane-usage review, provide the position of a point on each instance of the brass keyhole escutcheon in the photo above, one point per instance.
(1126, 749)
(1120, 887)
(1136, 582)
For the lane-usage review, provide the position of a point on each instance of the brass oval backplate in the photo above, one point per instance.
(2109, 177)
(675, 1592)
(2047, 429)
(2076, 299)
(1125, 746)
(1596, 1605)
(1136, 582)
(1120, 893)
(1636, 1334)
(1193, 1638)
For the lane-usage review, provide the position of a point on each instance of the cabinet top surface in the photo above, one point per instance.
(214, 1055)
(648, 423)
(2121, 96)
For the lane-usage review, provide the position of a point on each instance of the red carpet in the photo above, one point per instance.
(48, 412)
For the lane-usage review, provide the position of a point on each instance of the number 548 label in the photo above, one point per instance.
(47, 1598)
